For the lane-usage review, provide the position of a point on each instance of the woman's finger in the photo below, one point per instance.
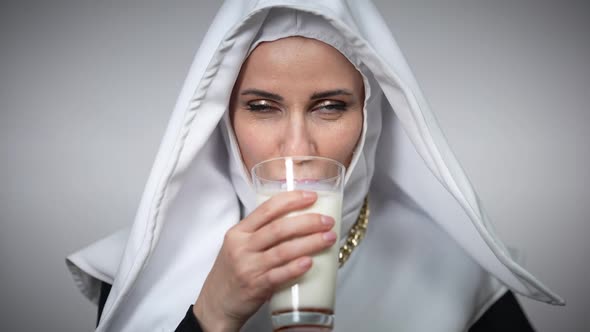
(302, 246)
(280, 275)
(287, 228)
(275, 207)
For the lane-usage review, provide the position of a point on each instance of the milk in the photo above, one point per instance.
(315, 290)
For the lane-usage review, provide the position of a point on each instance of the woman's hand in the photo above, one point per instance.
(259, 254)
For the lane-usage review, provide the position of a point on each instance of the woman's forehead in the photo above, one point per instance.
(298, 60)
(296, 48)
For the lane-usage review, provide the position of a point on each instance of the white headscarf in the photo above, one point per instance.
(430, 259)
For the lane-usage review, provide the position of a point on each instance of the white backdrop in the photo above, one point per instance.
(87, 86)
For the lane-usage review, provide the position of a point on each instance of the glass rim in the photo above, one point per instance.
(341, 168)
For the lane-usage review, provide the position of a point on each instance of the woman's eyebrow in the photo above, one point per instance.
(261, 93)
(330, 93)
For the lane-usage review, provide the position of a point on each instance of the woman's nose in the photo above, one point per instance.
(298, 141)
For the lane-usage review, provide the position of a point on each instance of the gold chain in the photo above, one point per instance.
(355, 234)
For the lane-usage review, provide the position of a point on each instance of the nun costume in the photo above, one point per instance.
(429, 259)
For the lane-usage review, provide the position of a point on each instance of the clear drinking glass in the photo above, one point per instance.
(307, 304)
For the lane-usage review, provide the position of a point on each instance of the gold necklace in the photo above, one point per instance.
(355, 234)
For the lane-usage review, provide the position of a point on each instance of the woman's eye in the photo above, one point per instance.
(331, 109)
(261, 107)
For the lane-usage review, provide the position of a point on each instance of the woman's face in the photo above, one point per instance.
(297, 97)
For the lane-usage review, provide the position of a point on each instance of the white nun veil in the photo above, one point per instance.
(430, 259)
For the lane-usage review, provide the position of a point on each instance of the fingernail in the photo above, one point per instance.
(329, 236)
(305, 262)
(328, 221)
(308, 194)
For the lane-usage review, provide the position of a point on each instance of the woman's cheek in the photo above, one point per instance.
(340, 143)
(255, 145)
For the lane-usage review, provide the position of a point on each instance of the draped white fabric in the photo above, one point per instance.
(430, 260)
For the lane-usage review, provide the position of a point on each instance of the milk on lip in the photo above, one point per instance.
(315, 290)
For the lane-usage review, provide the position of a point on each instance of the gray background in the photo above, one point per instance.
(86, 89)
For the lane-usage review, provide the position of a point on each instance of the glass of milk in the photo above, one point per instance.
(308, 302)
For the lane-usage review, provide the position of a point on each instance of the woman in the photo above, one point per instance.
(277, 78)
